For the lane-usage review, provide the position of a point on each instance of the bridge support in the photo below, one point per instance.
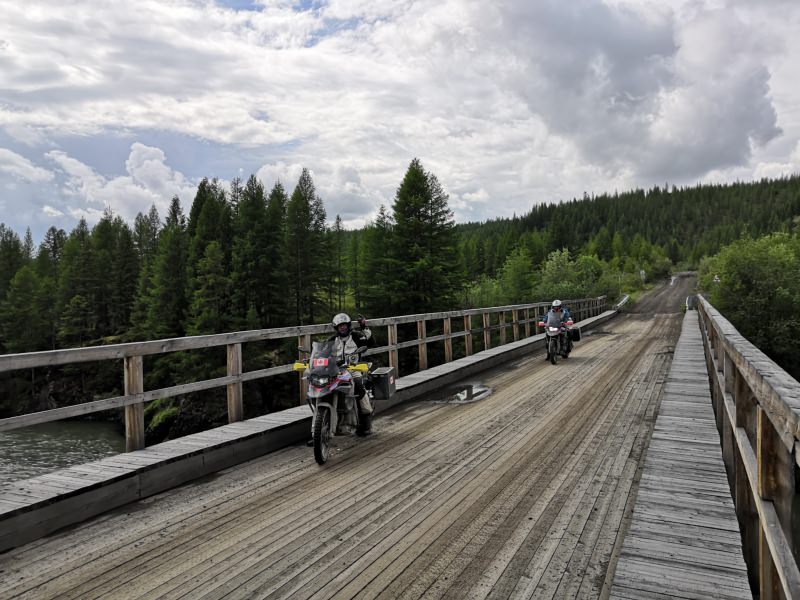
(134, 413)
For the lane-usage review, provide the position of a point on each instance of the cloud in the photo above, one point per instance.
(509, 103)
(149, 181)
(21, 168)
(51, 212)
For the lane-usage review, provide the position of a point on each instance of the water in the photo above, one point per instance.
(41, 449)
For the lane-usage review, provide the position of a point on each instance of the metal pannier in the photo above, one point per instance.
(383, 383)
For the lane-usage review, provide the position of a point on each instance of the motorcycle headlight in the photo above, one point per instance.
(320, 381)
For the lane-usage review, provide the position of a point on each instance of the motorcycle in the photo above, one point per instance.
(331, 393)
(558, 340)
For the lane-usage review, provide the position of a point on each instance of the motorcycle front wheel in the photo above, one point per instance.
(322, 435)
(552, 350)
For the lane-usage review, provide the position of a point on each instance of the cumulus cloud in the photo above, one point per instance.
(509, 103)
(149, 181)
(21, 168)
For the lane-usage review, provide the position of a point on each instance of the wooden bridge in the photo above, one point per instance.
(551, 483)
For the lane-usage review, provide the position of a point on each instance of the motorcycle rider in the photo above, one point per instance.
(347, 342)
(557, 316)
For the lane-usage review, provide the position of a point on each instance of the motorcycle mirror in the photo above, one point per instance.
(361, 349)
(301, 349)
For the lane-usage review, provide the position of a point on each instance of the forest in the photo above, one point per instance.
(245, 257)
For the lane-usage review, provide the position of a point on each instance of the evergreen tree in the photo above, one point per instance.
(210, 307)
(378, 265)
(306, 252)
(423, 245)
(27, 246)
(12, 257)
(77, 285)
(24, 326)
(250, 260)
(275, 280)
(167, 304)
(337, 279)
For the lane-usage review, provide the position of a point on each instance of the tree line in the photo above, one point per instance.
(248, 258)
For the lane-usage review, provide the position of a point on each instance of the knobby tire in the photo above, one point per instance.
(322, 434)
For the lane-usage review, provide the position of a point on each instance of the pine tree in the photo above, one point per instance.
(275, 279)
(24, 326)
(337, 279)
(77, 287)
(209, 311)
(378, 265)
(250, 260)
(12, 257)
(306, 253)
(423, 245)
(167, 304)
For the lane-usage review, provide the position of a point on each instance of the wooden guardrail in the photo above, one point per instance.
(757, 406)
(523, 322)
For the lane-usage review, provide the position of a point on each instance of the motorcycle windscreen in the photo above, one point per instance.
(323, 362)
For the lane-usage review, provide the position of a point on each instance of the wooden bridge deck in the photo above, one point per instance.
(519, 494)
(684, 540)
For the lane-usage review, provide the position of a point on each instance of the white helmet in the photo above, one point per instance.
(556, 303)
(340, 319)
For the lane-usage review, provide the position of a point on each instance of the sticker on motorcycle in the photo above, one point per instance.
(319, 362)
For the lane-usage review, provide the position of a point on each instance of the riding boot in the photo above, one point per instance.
(364, 424)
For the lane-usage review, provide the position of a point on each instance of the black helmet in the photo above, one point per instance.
(342, 319)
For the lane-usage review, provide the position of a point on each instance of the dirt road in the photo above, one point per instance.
(520, 494)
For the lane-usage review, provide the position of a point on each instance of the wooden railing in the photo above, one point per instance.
(522, 323)
(757, 406)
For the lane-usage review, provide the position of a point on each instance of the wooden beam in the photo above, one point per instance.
(515, 322)
(422, 345)
(502, 319)
(304, 341)
(134, 413)
(448, 340)
(235, 406)
(468, 330)
(393, 357)
(487, 334)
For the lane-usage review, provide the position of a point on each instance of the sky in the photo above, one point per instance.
(510, 103)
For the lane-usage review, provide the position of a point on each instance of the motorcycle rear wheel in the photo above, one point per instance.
(322, 435)
(552, 350)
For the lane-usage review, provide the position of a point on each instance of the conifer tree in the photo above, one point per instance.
(423, 245)
(275, 280)
(209, 311)
(167, 303)
(24, 326)
(307, 258)
(76, 288)
(251, 261)
(377, 264)
(12, 257)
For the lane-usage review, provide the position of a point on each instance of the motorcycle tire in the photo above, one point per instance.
(552, 350)
(322, 435)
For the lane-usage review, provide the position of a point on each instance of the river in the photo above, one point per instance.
(40, 449)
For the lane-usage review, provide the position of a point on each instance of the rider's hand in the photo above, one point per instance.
(362, 322)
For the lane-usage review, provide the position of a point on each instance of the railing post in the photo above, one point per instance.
(391, 334)
(487, 334)
(423, 345)
(768, 460)
(502, 327)
(448, 341)
(235, 408)
(515, 321)
(527, 322)
(134, 413)
(468, 337)
(303, 341)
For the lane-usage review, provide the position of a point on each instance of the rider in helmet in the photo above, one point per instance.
(557, 316)
(347, 342)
